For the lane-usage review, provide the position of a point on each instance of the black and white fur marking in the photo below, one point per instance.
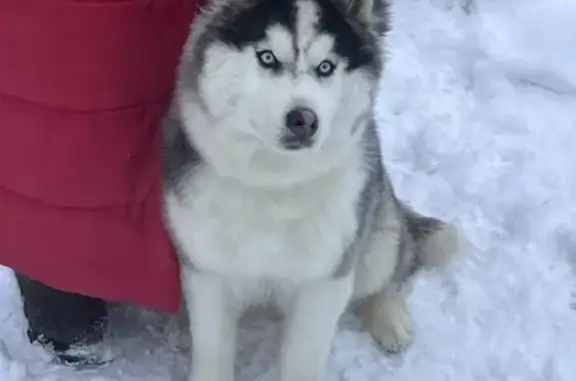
(313, 228)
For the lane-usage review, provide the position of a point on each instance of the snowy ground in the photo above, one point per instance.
(478, 116)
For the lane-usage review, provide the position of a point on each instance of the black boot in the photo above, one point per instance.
(72, 326)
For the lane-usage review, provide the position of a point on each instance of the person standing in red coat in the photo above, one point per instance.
(84, 85)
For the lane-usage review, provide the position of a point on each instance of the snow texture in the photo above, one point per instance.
(478, 116)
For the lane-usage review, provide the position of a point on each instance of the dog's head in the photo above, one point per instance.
(273, 91)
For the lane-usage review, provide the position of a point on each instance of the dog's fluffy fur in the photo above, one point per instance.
(313, 230)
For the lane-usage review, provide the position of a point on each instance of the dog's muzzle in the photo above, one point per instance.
(301, 126)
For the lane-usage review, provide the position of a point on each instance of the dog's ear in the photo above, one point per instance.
(373, 13)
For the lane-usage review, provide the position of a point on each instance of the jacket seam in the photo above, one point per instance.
(48, 204)
(58, 108)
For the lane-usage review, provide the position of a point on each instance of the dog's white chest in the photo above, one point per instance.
(228, 229)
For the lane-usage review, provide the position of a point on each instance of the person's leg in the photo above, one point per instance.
(71, 325)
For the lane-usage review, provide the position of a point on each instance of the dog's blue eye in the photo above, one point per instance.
(267, 59)
(325, 69)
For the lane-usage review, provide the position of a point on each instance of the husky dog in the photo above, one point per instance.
(275, 190)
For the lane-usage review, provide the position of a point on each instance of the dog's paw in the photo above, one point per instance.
(389, 321)
(393, 338)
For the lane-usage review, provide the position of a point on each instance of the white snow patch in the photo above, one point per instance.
(479, 127)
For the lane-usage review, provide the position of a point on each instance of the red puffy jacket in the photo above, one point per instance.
(83, 87)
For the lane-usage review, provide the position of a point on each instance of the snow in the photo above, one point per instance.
(478, 114)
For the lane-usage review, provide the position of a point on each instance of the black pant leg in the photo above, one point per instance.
(61, 319)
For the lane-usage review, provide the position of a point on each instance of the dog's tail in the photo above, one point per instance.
(437, 242)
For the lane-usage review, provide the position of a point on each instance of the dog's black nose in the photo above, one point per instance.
(302, 123)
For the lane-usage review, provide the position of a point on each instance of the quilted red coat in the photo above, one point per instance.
(83, 87)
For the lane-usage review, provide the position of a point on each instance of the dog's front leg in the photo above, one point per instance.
(311, 322)
(213, 327)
